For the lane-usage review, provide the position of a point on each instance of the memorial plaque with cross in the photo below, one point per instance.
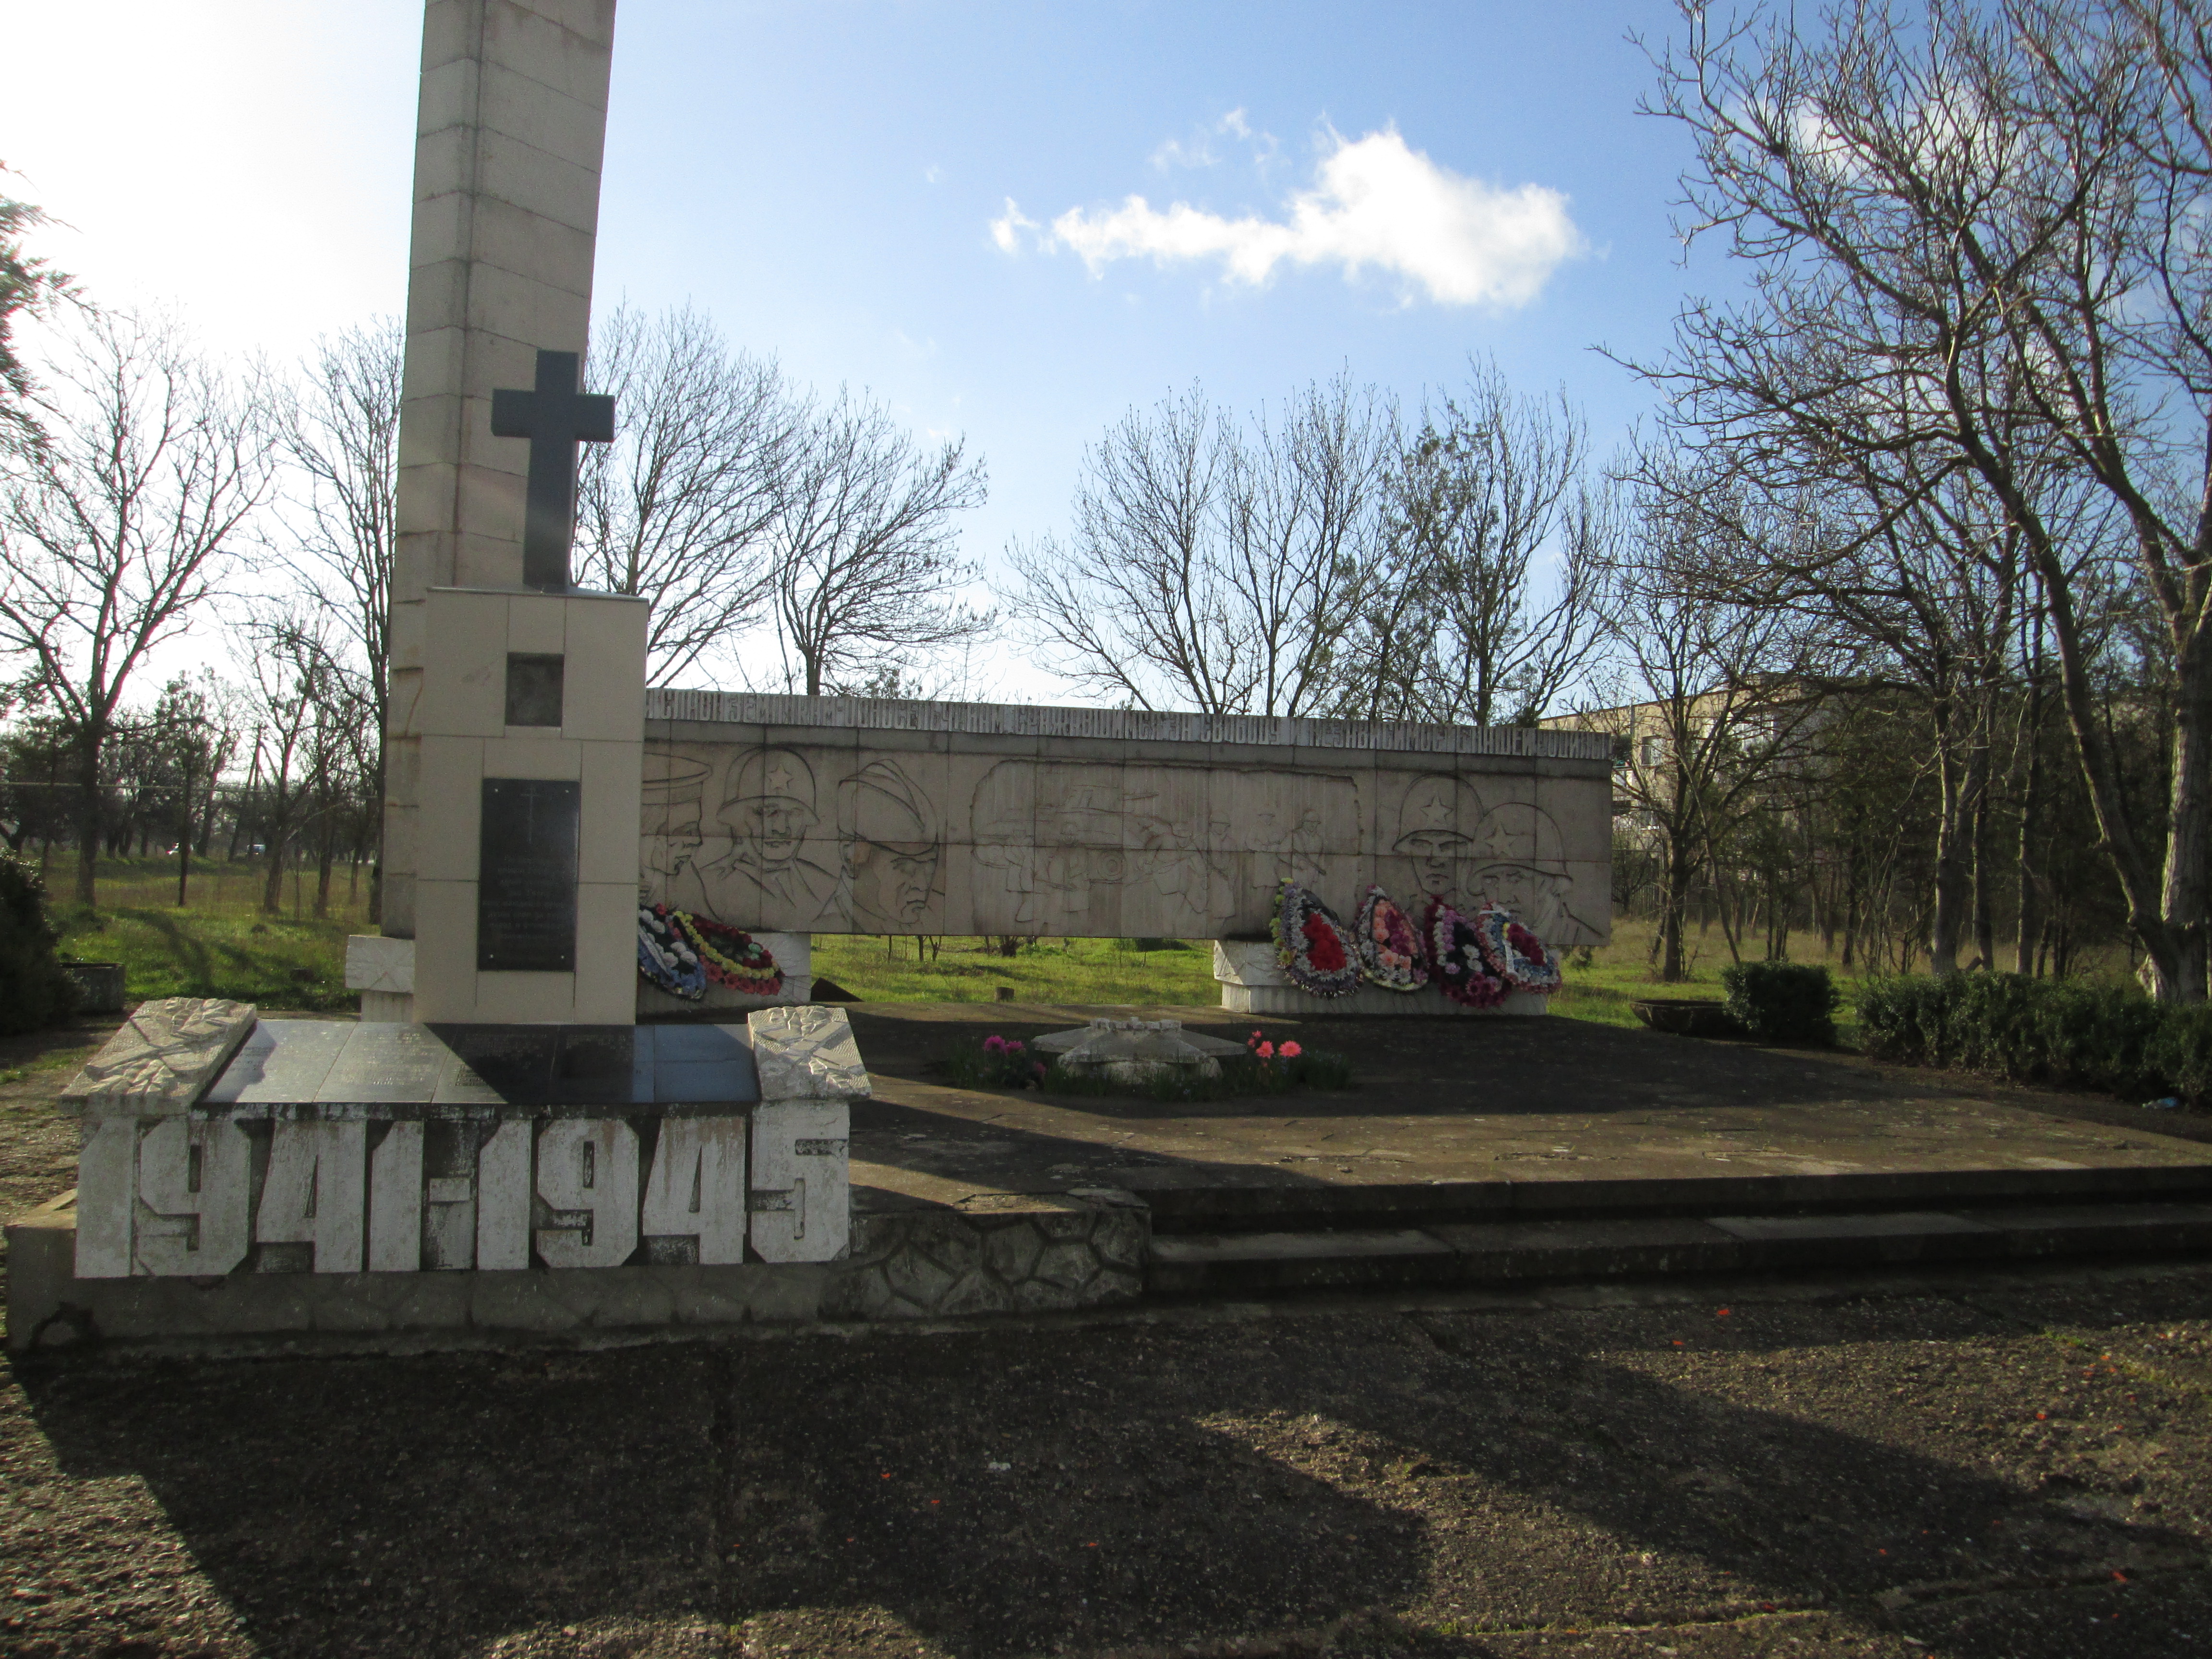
(556, 417)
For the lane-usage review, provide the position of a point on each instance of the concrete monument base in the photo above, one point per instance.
(383, 972)
(1253, 982)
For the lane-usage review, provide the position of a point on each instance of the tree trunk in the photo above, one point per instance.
(1674, 906)
(185, 838)
(1954, 880)
(326, 856)
(272, 889)
(89, 804)
(2029, 931)
(1985, 924)
(2182, 896)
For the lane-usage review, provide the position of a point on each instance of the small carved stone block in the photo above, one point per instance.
(162, 1060)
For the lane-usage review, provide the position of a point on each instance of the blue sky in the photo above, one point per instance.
(824, 179)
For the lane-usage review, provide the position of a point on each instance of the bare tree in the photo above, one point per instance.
(1712, 702)
(116, 528)
(26, 283)
(312, 742)
(194, 739)
(340, 432)
(1978, 245)
(1214, 566)
(1464, 624)
(866, 566)
(680, 507)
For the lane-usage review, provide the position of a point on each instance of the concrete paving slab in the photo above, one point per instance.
(1539, 1117)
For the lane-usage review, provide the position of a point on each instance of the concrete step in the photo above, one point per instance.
(1504, 1252)
(1299, 1207)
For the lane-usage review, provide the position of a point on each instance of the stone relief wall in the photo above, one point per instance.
(885, 828)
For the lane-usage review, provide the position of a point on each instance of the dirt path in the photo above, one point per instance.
(1959, 1471)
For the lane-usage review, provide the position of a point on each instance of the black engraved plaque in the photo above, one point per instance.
(526, 875)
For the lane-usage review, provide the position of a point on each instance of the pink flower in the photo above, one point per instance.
(994, 1045)
(1040, 1069)
(1290, 1051)
(1013, 1048)
(1265, 1051)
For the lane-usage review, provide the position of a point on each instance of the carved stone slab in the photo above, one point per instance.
(165, 1054)
(811, 815)
(806, 1053)
(302, 1070)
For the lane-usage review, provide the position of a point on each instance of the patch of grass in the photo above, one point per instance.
(217, 887)
(971, 1065)
(273, 961)
(1078, 970)
(1601, 988)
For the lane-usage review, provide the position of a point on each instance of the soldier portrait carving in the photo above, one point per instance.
(775, 864)
(892, 849)
(850, 839)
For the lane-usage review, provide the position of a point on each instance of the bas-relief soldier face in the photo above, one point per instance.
(770, 808)
(771, 827)
(1435, 856)
(673, 838)
(893, 883)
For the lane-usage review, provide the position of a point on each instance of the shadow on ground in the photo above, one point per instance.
(1458, 1477)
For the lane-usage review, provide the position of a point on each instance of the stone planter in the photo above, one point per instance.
(99, 986)
(1701, 1016)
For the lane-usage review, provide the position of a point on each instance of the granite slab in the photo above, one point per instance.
(298, 1069)
(164, 1057)
(806, 1052)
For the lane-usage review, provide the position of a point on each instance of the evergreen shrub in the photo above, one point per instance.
(2089, 1034)
(35, 992)
(1781, 1002)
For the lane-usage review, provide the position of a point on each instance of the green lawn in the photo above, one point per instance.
(1099, 970)
(222, 945)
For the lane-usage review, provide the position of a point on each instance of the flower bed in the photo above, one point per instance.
(1265, 1068)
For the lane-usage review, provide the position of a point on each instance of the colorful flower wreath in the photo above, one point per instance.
(1390, 953)
(1316, 955)
(683, 954)
(1514, 954)
(1455, 954)
(666, 958)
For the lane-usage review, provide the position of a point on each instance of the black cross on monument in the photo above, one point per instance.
(556, 417)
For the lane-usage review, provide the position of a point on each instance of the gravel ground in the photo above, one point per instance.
(1966, 1465)
(1970, 1468)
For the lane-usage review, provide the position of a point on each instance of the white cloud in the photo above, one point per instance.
(1006, 229)
(1375, 203)
(932, 174)
(1173, 152)
(1198, 151)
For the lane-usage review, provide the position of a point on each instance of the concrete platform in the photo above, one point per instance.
(1545, 1115)
(1496, 1152)
(1532, 1149)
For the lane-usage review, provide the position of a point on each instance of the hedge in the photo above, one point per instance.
(35, 992)
(2096, 1035)
(1781, 1002)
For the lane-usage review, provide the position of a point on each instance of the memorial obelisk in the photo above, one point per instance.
(514, 748)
